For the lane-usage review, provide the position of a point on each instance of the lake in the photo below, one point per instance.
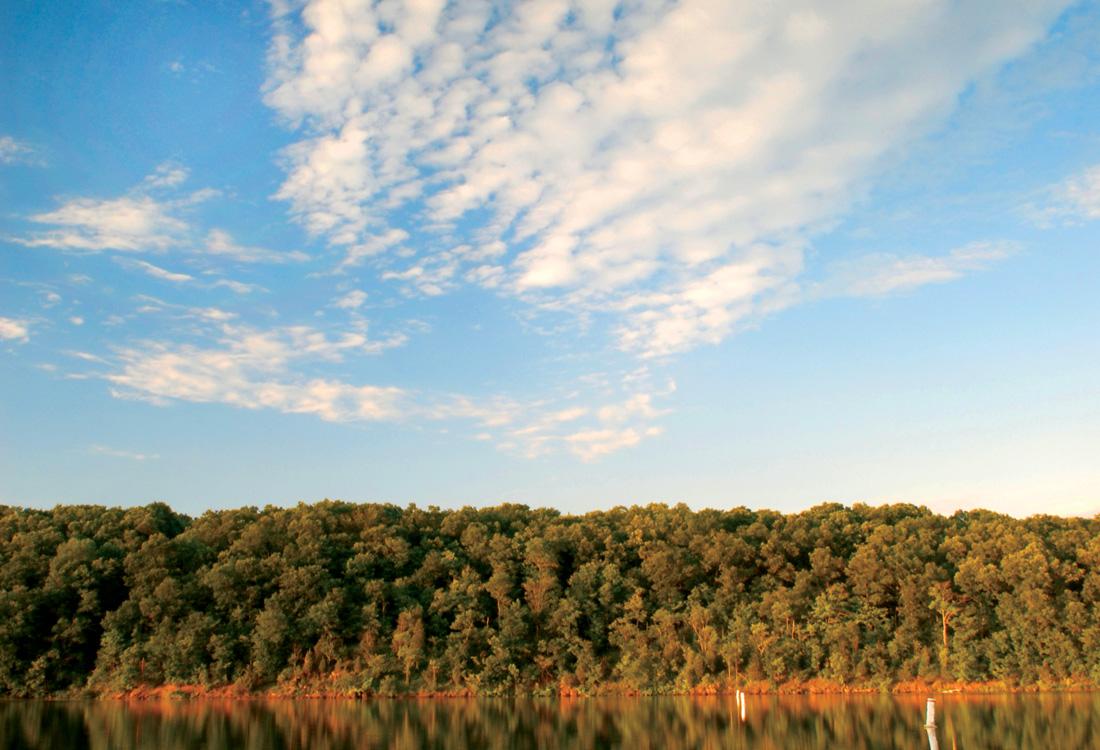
(1049, 722)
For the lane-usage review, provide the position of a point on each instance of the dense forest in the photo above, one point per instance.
(382, 600)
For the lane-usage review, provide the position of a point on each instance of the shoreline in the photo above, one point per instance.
(910, 688)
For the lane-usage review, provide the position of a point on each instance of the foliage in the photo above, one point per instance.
(508, 599)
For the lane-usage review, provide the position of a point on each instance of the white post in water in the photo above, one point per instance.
(930, 724)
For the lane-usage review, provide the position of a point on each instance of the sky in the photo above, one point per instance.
(568, 254)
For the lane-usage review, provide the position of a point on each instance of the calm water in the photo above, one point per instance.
(1049, 722)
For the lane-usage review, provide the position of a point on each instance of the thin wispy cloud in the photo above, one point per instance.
(154, 271)
(590, 432)
(353, 300)
(237, 287)
(153, 217)
(251, 368)
(590, 445)
(373, 246)
(14, 151)
(193, 70)
(105, 450)
(879, 274)
(219, 244)
(1076, 199)
(167, 175)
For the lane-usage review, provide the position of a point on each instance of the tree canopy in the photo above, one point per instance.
(379, 599)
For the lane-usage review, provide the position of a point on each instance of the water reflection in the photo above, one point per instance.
(806, 723)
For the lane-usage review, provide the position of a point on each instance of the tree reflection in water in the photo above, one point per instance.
(806, 722)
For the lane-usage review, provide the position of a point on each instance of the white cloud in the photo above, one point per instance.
(582, 424)
(431, 277)
(156, 271)
(283, 369)
(131, 223)
(1078, 198)
(87, 357)
(254, 369)
(14, 151)
(219, 243)
(76, 320)
(662, 163)
(373, 246)
(12, 329)
(214, 314)
(705, 308)
(154, 306)
(194, 70)
(237, 287)
(103, 450)
(353, 300)
(135, 222)
(883, 273)
(492, 412)
(637, 405)
(166, 175)
(145, 221)
(590, 445)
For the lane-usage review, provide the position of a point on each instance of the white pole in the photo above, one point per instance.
(930, 724)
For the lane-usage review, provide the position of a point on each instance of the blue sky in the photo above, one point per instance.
(568, 254)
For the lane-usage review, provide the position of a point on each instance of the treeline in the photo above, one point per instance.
(378, 599)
